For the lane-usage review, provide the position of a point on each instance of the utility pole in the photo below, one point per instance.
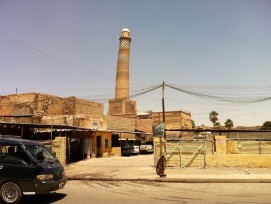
(163, 106)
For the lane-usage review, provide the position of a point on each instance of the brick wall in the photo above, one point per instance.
(177, 118)
(119, 123)
(86, 107)
(122, 107)
(144, 125)
(174, 120)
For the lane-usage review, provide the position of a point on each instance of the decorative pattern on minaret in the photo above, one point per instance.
(122, 105)
(122, 79)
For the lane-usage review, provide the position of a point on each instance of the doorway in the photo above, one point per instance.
(98, 146)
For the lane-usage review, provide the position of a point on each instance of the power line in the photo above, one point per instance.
(224, 99)
(47, 56)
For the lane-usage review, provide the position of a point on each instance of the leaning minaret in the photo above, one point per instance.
(122, 105)
(122, 79)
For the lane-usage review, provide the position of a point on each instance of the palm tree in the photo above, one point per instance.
(228, 124)
(266, 125)
(217, 125)
(213, 117)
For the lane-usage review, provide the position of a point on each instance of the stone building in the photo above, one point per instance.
(84, 121)
(50, 109)
(173, 120)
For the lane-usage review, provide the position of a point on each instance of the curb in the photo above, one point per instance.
(109, 179)
(213, 180)
(179, 180)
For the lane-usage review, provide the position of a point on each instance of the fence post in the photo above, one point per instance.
(205, 154)
(180, 148)
(260, 147)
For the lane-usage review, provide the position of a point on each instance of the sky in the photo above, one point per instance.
(217, 53)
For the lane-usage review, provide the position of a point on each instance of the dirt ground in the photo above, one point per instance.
(142, 167)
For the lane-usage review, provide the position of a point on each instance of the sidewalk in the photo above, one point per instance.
(141, 168)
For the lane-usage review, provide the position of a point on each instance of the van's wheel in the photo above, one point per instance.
(11, 193)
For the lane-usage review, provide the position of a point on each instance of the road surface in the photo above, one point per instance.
(118, 192)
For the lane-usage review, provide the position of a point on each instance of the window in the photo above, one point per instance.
(106, 143)
(14, 154)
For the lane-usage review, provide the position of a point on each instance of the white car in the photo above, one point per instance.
(146, 148)
(136, 149)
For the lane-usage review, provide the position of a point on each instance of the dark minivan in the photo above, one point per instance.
(27, 168)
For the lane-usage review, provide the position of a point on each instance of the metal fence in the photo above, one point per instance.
(183, 153)
(249, 146)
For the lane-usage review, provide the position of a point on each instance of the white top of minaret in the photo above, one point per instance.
(125, 30)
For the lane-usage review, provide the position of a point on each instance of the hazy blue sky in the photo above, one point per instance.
(70, 48)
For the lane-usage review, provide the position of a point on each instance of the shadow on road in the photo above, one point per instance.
(43, 199)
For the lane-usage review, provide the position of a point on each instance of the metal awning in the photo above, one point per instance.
(38, 125)
(67, 127)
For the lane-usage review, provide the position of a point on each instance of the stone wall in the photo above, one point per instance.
(173, 120)
(59, 148)
(115, 152)
(120, 123)
(144, 125)
(49, 109)
(122, 107)
(86, 107)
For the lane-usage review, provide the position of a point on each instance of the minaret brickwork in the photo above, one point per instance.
(122, 78)
(122, 105)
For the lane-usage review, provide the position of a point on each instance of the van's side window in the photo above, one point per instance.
(13, 154)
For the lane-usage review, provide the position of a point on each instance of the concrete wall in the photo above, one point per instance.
(239, 160)
(104, 151)
(233, 159)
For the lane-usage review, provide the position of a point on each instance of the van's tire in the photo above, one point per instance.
(10, 193)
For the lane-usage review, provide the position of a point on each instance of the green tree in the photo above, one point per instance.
(217, 125)
(193, 124)
(228, 124)
(213, 116)
(266, 125)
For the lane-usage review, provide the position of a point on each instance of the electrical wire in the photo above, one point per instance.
(224, 99)
(50, 57)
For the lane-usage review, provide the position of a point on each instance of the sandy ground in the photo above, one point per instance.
(142, 167)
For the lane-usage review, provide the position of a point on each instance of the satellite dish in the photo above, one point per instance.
(161, 166)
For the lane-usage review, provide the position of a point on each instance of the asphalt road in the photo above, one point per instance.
(118, 192)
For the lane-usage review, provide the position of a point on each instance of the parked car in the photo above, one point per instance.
(136, 149)
(127, 150)
(146, 148)
(27, 168)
